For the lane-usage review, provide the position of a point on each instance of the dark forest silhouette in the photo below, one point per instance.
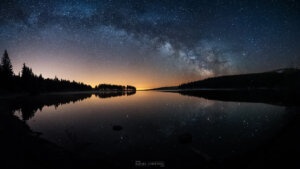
(282, 79)
(28, 82)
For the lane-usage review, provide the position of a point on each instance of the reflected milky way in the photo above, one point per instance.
(158, 125)
(176, 129)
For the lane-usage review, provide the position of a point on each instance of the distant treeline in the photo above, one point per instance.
(278, 79)
(27, 81)
(111, 87)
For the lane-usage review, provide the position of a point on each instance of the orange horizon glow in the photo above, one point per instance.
(71, 67)
(93, 81)
(93, 75)
(144, 84)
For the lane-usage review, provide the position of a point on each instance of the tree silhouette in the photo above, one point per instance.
(27, 72)
(6, 73)
(28, 82)
(6, 66)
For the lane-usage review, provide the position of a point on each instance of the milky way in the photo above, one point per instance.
(150, 43)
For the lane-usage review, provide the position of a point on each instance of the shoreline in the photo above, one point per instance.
(15, 95)
(20, 143)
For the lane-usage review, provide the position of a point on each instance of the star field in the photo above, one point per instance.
(150, 43)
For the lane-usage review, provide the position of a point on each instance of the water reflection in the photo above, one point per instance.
(180, 131)
(29, 105)
(275, 97)
(105, 94)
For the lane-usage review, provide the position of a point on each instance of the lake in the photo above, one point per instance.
(154, 129)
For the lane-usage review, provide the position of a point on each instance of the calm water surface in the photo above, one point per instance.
(159, 126)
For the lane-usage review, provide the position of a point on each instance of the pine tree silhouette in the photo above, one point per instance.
(28, 82)
(6, 73)
(6, 66)
(26, 72)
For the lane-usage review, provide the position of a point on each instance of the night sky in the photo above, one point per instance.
(149, 43)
